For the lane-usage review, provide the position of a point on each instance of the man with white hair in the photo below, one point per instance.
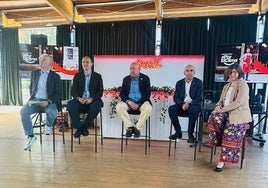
(45, 96)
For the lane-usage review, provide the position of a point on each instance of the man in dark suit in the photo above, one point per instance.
(87, 90)
(135, 95)
(188, 98)
(45, 91)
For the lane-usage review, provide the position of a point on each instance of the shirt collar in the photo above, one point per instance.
(137, 78)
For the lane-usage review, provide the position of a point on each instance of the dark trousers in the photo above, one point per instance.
(75, 108)
(176, 110)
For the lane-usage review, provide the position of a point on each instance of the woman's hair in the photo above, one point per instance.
(235, 66)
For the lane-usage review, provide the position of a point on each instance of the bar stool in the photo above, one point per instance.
(243, 152)
(95, 133)
(38, 122)
(147, 135)
(198, 134)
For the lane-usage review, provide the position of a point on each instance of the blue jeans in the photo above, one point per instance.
(27, 110)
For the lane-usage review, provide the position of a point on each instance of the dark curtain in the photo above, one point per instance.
(265, 35)
(186, 36)
(11, 83)
(116, 38)
(63, 38)
(190, 36)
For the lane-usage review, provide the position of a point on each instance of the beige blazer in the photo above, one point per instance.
(238, 108)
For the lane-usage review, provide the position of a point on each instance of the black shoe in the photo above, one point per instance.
(136, 132)
(175, 136)
(129, 132)
(85, 132)
(217, 169)
(191, 138)
(77, 134)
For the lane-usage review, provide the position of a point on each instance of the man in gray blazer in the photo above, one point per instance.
(87, 90)
(45, 91)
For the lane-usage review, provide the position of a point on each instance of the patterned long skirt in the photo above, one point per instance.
(228, 136)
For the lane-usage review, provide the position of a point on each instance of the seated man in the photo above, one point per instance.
(135, 95)
(188, 98)
(87, 91)
(45, 91)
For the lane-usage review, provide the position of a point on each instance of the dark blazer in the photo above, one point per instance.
(196, 92)
(53, 86)
(144, 85)
(95, 86)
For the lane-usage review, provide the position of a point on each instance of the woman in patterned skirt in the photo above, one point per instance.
(229, 120)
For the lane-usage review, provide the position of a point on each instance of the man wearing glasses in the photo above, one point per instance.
(188, 100)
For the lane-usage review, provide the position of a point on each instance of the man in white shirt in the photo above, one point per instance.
(188, 98)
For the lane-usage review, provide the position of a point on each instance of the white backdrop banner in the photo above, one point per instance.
(114, 68)
(162, 70)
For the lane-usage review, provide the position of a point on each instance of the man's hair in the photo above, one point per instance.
(235, 66)
(87, 57)
(46, 57)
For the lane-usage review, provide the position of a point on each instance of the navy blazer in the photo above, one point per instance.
(196, 92)
(144, 86)
(95, 86)
(53, 86)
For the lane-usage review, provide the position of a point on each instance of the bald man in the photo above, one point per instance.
(188, 98)
(135, 95)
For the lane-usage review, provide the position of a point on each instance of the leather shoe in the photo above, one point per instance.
(191, 138)
(77, 134)
(136, 132)
(176, 135)
(217, 169)
(85, 132)
(129, 131)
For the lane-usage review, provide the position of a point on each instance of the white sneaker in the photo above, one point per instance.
(48, 130)
(30, 142)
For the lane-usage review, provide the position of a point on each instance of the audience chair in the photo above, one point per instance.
(243, 150)
(38, 122)
(198, 134)
(96, 134)
(147, 135)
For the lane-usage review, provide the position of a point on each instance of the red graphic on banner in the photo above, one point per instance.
(260, 67)
(152, 63)
(57, 67)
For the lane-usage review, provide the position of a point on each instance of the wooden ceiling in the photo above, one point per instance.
(36, 13)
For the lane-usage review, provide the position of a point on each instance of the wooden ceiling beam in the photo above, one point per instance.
(264, 7)
(64, 8)
(201, 14)
(158, 9)
(119, 16)
(204, 10)
(9, 22)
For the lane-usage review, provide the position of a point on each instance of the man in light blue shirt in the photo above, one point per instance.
(135, 95)
(45, 91)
